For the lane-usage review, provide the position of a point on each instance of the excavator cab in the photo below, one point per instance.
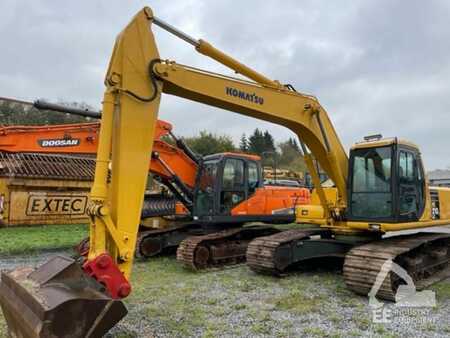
(386, 181)
(224, 181)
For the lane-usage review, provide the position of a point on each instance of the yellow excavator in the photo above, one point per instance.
(380, 188)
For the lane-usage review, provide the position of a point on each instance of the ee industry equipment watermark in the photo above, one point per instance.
(410, 305)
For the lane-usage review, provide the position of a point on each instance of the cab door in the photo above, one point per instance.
(205, 193)
(233, 187)
(255, 202)
(411, 185)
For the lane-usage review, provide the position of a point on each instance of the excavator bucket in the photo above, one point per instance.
(57, 300)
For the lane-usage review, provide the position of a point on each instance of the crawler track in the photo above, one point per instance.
(262, 252)
(154, 242)
(220, 248)
(424, 256)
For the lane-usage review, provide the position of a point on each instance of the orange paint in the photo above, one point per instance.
(269, 199)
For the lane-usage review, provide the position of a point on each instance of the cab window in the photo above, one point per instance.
(371, 182)
(406, 166)
(233, 173)
(233, 187)
(204, 201)
(253, 180)
(410, 185)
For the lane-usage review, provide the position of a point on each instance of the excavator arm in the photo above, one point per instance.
(135, 79)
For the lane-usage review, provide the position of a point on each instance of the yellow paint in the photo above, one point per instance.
(383, 142)
(126, 138)
(207, 49)
(385, 227)
(315, 213)
(444, 200)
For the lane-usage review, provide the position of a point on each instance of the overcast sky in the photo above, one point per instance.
(376, 66)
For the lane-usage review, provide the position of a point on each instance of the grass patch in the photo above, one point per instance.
(335, 318)
(48, 237)
(2, 326)
(363, 323)
(239, 307)
(315, 332)
(430, 327)
(442, 290)
(351, 303)
(297, 302)
(263, 325)
(380, 329)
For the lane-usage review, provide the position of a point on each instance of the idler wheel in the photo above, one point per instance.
(201, 257)
(150, 247)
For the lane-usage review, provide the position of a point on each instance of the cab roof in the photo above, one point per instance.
(235, 155)
(382, 142)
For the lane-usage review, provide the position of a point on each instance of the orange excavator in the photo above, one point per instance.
(213, 196)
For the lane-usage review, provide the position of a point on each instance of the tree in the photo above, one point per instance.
(288, 153)
(290, 156)
(256, 142)
(293, 143)
(259, 142)
(263, 144)
(207, 143)
(269, 143)
(243, 144)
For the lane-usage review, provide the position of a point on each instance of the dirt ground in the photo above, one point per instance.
(169, 301)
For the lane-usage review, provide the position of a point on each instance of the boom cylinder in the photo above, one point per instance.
(207, 49)
(171, 29)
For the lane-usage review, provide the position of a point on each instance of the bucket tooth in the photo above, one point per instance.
(57, 300)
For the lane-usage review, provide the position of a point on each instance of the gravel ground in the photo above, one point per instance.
(169, 301)
(236, 302)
